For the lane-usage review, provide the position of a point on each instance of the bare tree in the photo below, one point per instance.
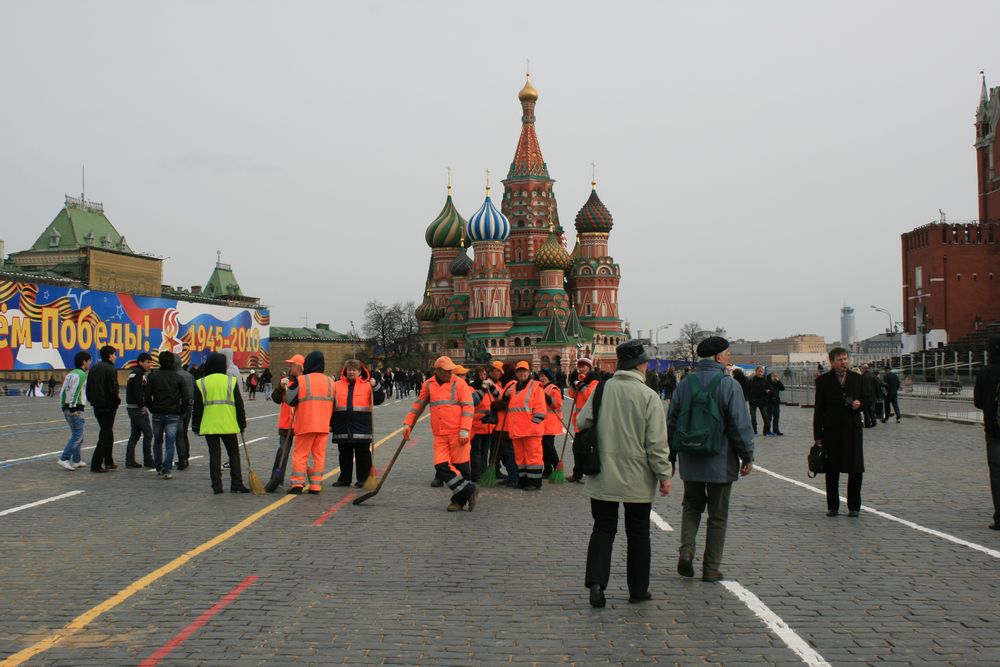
(686, 345)
(392, 329)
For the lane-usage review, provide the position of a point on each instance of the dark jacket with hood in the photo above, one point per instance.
(984, 396)
(216, 363)
(135, 388)
(102, 386)
(348, 425)
(166, 391)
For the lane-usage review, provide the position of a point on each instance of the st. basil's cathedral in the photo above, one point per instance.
(522, 295)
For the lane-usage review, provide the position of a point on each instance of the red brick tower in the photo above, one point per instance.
(529, 204)
(987, 150)
(595, 276)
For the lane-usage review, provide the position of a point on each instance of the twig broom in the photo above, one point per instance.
(255, 486)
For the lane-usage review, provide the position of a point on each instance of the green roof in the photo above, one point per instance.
(222, 283)
(81, 223)
(307, 333)
(554, 332)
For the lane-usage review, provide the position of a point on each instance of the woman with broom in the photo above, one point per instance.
(219, 416)
(355, 396)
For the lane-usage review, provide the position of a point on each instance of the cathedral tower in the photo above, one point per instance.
(489, 279)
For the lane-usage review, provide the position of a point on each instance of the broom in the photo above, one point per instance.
(488, 479)
(372, 482)
(255, 486)
(278, 474)
(558, 475)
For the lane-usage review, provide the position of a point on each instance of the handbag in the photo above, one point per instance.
(586, 453)
(817, 460)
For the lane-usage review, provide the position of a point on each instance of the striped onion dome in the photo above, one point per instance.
(461, 265)
(551, 255)
(488, 224)
(446, 230)
(594, 216)
(427, 311)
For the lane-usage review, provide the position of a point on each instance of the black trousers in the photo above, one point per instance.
(181, 442)
(282, 434)
(853, 490)
(349, 451)
(550, 456)
(105, 438)
(893, 403)
(480, 454)
(232, 443)
(993, 461)
(140, 427)
(602, 538)
(763, 416)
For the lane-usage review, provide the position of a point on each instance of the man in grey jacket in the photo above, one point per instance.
(634, 463)
(708, 479)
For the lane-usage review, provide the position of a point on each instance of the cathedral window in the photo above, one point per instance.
(517, 342)
(503, 343)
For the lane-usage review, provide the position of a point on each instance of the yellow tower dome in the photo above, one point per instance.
(528, 93)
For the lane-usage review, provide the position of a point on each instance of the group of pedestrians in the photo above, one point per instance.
(762, 392)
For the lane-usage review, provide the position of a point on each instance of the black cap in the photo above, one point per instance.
(631, 353)
(712, 346)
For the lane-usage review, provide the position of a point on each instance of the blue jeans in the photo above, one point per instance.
(72, 450)
(164, 423)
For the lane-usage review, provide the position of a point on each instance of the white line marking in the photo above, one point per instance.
(41, 456)
(192, 458)
(273, 414)
(250, 442)
(40, 502)
(807, 653)
(885, 515)
(660, 523)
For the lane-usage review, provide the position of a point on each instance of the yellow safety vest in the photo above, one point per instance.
(218, 395)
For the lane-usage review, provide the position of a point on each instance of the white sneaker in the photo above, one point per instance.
(79, 464)
(67, 464)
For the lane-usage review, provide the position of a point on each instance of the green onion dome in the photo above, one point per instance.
(427, 311)
(446, 230)
(551, 255)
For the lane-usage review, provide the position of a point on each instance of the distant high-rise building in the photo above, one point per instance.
(848, 333)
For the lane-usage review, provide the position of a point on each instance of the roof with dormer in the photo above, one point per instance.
(222, 283)
(81, 223)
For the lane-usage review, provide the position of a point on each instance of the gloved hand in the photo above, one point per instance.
(406, 432)
(463, 437)
(548, 399)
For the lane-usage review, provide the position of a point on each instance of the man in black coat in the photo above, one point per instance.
(870, 383)
(103, 394)
(891, 381)
(985, 398)
(837, 425)
(760, 395)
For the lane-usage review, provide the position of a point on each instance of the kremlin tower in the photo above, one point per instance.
(522, 295)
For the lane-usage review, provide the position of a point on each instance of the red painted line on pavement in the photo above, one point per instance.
(333, 510)
(413, 443)
(165, 650)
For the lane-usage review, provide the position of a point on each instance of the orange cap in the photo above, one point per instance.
(461, 370)
(445, 364)
(296, 359)
(497, 365)
(522, 364)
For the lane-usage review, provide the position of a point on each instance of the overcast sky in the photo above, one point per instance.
(760, 159)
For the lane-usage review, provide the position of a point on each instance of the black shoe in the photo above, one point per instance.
(358, 485)
(341, 482)
(182, 466)
(898, 422)
(436, 483)
(994, 526)
(313, 492)
(148, 465)
(779, 433)
(473, 499)
(575, 480)
(685, 565)
(712, 575)
(832, 512)
(239, 489)
(132, 465)
(98, 470)
(597, 596)
(294, 491)
(216, 491)
(885, 420)
(640, 597)
(853, 513)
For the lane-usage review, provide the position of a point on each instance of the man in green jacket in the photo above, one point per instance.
(632, 437)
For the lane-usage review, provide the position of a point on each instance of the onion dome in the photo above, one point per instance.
(594, 217)
(446, 230)
(427, 311)
(528, 93)
(488, 224)
(551, 255)
(461, 265)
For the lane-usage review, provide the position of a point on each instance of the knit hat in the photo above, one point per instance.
(631, 353)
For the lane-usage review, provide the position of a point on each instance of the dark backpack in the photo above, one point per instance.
(699, 425)
(586, 451)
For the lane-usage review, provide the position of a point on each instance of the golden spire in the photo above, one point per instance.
(528, 93)
(593, 175)
(487, 182)
(449, 181)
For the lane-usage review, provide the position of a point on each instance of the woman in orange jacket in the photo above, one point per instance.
(524, 401)
(553, 424)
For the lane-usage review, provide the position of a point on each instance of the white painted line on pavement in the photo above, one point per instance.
(41, 456)
(807, 653)
(273, 414)
(40, 502)
(885, 515)
(660, 523)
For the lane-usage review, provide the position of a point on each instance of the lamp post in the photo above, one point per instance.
(354, 342)
(657, 338)
(891, 331)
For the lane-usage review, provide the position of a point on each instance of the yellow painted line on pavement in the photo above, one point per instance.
(87, 617)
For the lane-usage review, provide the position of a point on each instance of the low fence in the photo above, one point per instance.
(917, 400)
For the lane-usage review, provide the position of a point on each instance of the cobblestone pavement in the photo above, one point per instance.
(400, 581)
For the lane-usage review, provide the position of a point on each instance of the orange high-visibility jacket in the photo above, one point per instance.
(482, 408)
(526, 411)
(285, 416)
(580, 399)
(553, 411)
(451, 406)
(314, 403)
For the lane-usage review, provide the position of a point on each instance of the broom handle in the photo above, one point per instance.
(569, 420)
(497, 440)
(246, 450)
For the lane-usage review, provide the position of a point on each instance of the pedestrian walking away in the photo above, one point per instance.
(634, 456)
(103, 396)
(774, 404)
(709, 413)
(138, 414)
(72, 400)
(218, 414)
(984, 396)
(841, 398)
(891, 381)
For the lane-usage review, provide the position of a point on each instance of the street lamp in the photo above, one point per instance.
(657, 337)
(354, 342)
(892, 325)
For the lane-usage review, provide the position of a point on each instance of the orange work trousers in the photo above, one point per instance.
(304, 445)
(447, 449)
(528, 455)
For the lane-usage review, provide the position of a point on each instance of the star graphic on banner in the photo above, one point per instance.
(45, 295)
(119, 311)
